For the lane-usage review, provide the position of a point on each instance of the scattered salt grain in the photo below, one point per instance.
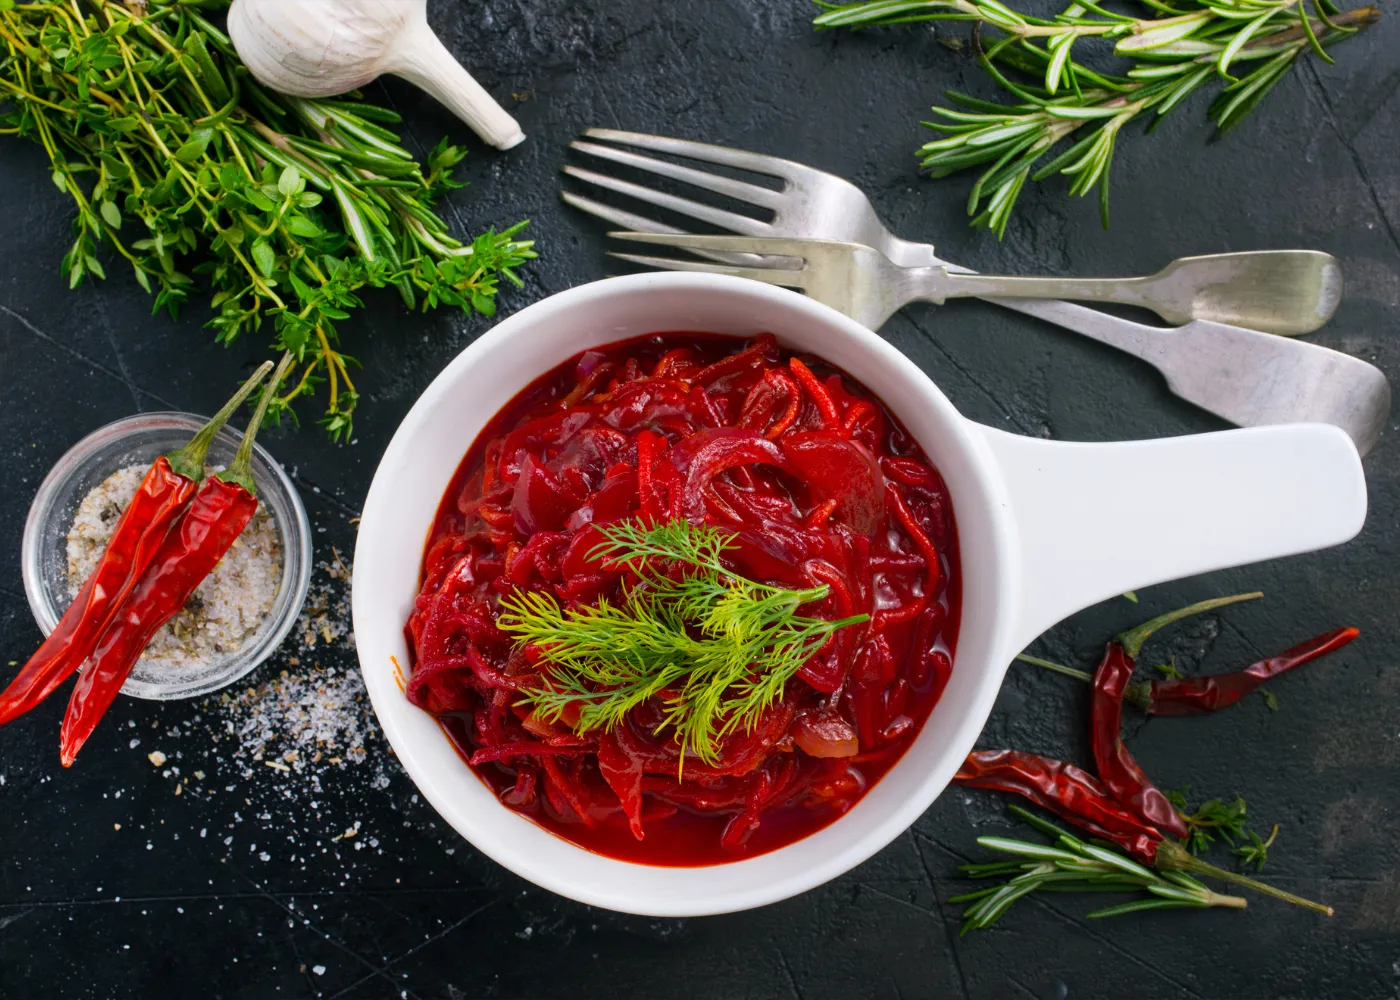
(325, 617)
(312, 710)
(292, 759)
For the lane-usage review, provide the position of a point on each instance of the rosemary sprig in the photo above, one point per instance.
(180, 164)
(1246, 45)
(1071, 865)
(716, 648)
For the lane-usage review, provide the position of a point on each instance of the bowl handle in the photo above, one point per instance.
(1097, 520)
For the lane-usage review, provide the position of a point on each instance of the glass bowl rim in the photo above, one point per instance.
(296, 543)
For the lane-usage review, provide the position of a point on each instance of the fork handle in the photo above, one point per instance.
(1124, 291)
(1249, 378)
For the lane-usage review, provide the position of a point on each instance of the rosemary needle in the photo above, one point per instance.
(1071, 865)
(1065, 118)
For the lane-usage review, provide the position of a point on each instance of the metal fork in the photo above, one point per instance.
(1286, 292)
(1246, 377)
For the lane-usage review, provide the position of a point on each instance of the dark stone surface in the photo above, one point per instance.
(159, 908)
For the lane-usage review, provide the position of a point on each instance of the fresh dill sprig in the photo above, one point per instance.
(1246, 45)
(716, 647)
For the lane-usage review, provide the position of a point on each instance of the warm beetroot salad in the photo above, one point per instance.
(687, 598)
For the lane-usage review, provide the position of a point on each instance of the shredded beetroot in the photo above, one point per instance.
(818, 483)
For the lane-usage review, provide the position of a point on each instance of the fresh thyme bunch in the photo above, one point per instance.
(180, 164)
(1248, 46)
(717, 647)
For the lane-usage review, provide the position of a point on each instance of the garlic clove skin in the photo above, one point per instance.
(318, 48)
(321, 48)
(422, 59)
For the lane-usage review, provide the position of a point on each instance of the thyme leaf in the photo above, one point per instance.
(1216, 818)
(181, 166)
(1256, 852)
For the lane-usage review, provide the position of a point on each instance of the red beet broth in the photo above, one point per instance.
(856, 505)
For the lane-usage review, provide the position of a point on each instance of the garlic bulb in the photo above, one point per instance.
(320, 48)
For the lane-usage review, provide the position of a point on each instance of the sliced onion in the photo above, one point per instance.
(825, 735)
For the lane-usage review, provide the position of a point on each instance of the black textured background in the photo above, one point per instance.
(155, 909)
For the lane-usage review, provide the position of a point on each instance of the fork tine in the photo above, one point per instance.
(767, 245)
(684, 206)
(723, 155)
(617, 216)
(739, 190)
(771, 275)
(627, 220)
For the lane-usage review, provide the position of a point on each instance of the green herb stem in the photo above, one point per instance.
(1072, 865)
(180, 164)
(1058, 98)
(1035, 661)
(1171, 856)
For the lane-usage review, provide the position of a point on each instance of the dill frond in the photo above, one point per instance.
(716, 647)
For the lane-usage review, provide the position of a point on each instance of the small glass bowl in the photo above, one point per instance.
(139, 440)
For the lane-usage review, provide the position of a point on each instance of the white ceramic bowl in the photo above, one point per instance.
(1045, 529)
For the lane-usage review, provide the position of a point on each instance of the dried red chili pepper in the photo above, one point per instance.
(1202, 695)
(1065, 790)
(220, 510)
(1115, 763)
(1120, 772)
(163, 494)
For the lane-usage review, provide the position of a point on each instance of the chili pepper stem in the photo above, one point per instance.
(189, 460)
(1171, 856)
(240, 470)
(1133, 639)
(1139, 694)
